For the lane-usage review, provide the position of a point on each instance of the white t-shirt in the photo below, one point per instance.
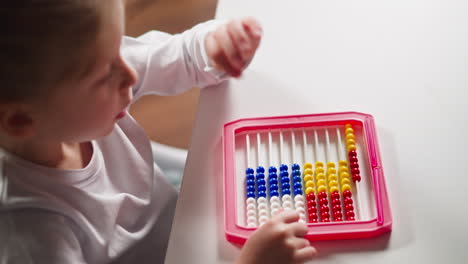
(119, 207)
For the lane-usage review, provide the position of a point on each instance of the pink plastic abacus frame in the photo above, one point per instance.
(318, 231)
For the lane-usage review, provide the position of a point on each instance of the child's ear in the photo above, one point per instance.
(16, 123)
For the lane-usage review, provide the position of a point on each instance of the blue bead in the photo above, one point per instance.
(260, 169)
(283, 167)
(273, 187)
(250, 188)
(284, 173)
(250, 177)
(261, 188)
(285, 180)
(273, 181)
(262, 194)
(274, 193)
(250, 183)
(250, 194)
(296, 172)
(297, 191)
(260, 176)
(295, 166)
(261, 182)
(285, 186)
(297, 185)
(273, 176)
(297, 179)
(249, 171)
(272, 169)
(286, 191)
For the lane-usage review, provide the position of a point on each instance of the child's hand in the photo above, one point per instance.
(280, 240)
(232, 46)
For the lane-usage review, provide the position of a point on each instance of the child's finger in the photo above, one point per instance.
(299, 229)
(225, 43)
(304, 254)
(288, 216)
(241, 40)
(299, 243)
(253, 29)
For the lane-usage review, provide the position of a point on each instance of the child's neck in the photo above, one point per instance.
(67, 156)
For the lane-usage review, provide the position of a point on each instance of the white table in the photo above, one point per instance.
(403, 61)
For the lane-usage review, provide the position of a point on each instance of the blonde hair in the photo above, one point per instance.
(42, 44)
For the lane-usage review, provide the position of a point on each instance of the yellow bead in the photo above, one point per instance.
(346, 187)
(307, 166)
(350, 142)
(344, 175)
(320, 176)
(348, 126)
(319, 164)
(351, 147)
(334, 189)
(332, 183)
(321, 183)
(319, 170)
(343, 163)
(309, 190)
(330, 165)
(322, 189)
(350, 136)
(331, 171)
(345, 181)
(332, 177)
(308, 178)
(310, 184)
(349, 131)
(342, 169)
(308, 172)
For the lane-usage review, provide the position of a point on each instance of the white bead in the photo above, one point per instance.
(251, 225)
(251, 207)
(262, 206)
(274, 199)
(299, 204)
(287, 204)
(302, 216)
(299, 197)
(275, 205)
(300, 210)
(287, 197)
(252, 219)
(274, 212)
(263, 213)
(263, 219)
(251, 213)
(251, 200)
(261, 200)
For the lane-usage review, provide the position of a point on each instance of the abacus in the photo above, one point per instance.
(327, 167)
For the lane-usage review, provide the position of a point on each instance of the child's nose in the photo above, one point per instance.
(130, 76)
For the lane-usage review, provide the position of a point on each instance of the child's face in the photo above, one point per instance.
(88, 109)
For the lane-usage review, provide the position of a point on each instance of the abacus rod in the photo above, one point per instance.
(327, 147)
(247, 143)
(270, 156)
(304, 138)
(258, 149)
(281, 146)
(293, 147)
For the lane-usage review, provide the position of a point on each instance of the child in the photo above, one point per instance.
(77, 178)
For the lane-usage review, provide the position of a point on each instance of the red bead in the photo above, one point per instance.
(335, 195)
(324, 208)
(355, 171)
(326, 219)
(348, 200)
(350, 214)
(336, 202)
(352, 153)
(310, 196)
(337, 215)
(322, 195)
(347, 194)
(313, 216)
(354, 165)
(353, 159)
(336, 208)
(323, 201)
(351, 219)
(315, 220)
(349, 207)
(338, 219)
(311, 203)
(312, 210)
(356, 178)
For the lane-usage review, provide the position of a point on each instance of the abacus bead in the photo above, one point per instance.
(348, 200)
(249, 171)
(325, 214)
(284, 173)
(354, 165)
(343, 163)
(308, 178)
(296, 172)
(262, 194)
(319, 170)
(338, 219)
(260, 169)
(297, 185)
(260, 176)
(309, 190)
(261, 188)
(274, 193)
(330, 165)
(311, 203)
(324, 208)
(344, 175)
(337, 207)
(311, 196)
(310, 184)
(297, 179)
(251, 200)
(250, 183)
(273, 175)
(351, 219)
(345, 181)
(273, 187)
(272, 169)
(308, 172)
(351, 147)
(250, 177)
(355, 171)
(357, 177)
(349, 214)
(251, 207)
(351, 141)
(322, 195)
(321, 183)
(352, 153)
(273, 182)
(275, 205)
(261, 182)
(284, 179)
(335, 195)
(322, 188)
(297, 191)
(251, 194)
(312, 210)
(347, 193)
(332, 183)
(287, 204)
(336, 202)
(283, 167)
(320, 176)
(286, 186)
(286, 198)
(349, 130)
(350, 136)
(313, 216)
(348, 126)
(346, 187)
(295, 166)
(286, 192)
(332, 177)
(250, 188)
(319, 164)
(307, 165)
(299, 198)
(337, 215)
(323, 201)
(349, 207)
